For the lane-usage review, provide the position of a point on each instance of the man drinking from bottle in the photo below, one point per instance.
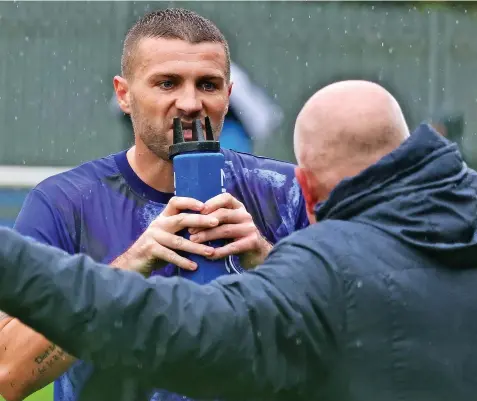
(120, 209)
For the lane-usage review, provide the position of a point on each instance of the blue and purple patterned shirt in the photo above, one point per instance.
(101, 207)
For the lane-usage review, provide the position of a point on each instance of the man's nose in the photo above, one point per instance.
(188, 101)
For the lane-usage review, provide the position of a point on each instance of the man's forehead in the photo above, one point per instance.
(154, 53)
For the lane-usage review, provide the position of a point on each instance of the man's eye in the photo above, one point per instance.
(208, 86)
(165, 84)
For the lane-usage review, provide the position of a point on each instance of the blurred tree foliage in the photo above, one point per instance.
(462, 6)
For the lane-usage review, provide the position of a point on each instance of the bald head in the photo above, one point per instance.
(347, 126)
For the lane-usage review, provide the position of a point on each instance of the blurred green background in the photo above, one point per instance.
(59, 58)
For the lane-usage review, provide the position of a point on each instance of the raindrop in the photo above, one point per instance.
(21, 53)
(306, 63)
(298, 341)
(457, 22)
(259, 334)
(359, 284)
(359, 343)
(27, 39)
(293, 19)
(16, 118)
(118, 324)
(64, 68)
(391, 49)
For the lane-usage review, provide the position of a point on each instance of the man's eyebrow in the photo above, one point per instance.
(164, 75)
(212, 77)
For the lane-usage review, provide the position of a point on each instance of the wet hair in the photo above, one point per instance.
(171, 23)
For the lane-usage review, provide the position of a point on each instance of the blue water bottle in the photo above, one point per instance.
(199, 174)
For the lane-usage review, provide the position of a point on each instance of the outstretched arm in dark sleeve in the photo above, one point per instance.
(259, 335)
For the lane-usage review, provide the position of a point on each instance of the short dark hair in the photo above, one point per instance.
(172, 23)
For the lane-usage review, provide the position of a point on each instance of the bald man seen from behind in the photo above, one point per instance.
(375, 300)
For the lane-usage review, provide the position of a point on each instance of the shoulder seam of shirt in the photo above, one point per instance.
(91, 182)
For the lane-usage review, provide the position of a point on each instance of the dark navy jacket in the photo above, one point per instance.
(377, 301)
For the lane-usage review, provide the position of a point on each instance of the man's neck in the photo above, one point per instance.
(155, 172)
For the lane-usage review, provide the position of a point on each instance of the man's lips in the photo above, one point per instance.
(187, 134)
(187, 131)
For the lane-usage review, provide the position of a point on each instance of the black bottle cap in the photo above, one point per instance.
(199, 143)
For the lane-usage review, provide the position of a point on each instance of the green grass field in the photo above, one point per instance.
(43, 395)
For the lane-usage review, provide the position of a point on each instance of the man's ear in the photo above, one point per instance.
(121, 88)
(309, 187)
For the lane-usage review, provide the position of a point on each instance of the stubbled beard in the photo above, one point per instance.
(155, 140)
(218, 129)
